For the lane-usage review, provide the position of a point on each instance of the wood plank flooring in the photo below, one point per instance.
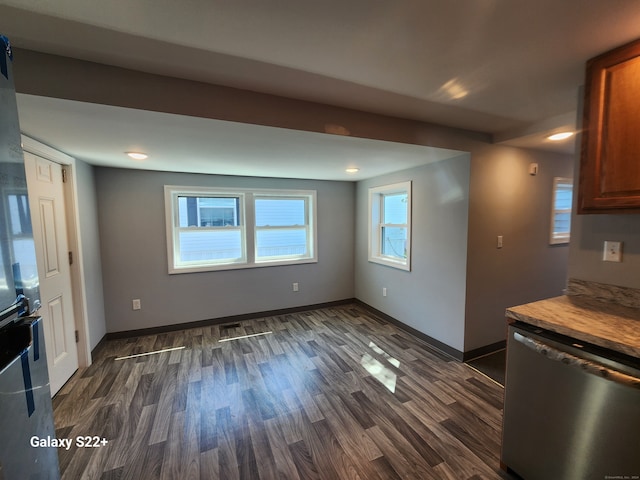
(329, 394)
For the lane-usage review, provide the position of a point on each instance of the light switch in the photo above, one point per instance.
(612, 251)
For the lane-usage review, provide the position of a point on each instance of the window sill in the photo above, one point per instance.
(239, 266)
(388, 262)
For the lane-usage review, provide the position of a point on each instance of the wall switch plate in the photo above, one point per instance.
(612, 251)
(296, 287)
(136, 304)
(384, 291)
(499, 242)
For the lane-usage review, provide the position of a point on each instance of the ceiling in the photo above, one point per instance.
(509, 68)
(199, 145)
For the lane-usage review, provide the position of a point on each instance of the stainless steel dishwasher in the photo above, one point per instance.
(572, 410)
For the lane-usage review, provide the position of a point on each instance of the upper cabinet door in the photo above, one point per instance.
(610, 159)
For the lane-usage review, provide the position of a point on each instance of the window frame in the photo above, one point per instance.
(248, 227)
(307, 226)
(558, 238)
(377, 225)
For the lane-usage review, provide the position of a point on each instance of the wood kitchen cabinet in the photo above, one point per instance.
(610, 159)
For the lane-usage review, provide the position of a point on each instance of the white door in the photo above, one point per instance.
(46, 201)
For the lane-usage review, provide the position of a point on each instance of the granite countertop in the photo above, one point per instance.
(603, 323)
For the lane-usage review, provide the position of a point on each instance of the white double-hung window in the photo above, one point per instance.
(390, 225)
(208, 229)
(283, 228)
(220, 229)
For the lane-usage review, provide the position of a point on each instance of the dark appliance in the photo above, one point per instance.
(25, 398)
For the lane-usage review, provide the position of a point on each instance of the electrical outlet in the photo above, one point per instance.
(384, 291)
(136, 304)
(612, 251)
(295, 287)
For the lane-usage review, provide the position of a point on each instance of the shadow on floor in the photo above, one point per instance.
(492, 365)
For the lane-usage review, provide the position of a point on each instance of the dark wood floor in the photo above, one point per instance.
(335, 393)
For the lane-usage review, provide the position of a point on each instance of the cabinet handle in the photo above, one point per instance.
(583, 364)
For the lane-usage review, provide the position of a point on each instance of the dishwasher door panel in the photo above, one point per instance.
(562, 421)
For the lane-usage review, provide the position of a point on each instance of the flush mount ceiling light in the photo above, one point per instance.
(352, 170)
(560, 136)
(137, 155)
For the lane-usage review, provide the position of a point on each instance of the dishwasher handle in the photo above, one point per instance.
(571, 360)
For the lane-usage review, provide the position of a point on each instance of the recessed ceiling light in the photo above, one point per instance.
(352, 170)
(137, 155)
(560, 136)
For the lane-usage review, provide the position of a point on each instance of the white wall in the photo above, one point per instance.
(134, 253)
(431, 297)
(88, 229)
(505, 200)
(461, 283)
(589, 233)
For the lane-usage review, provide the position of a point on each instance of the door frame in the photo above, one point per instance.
(77, 268)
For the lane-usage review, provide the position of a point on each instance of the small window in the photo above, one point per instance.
(210, 229)
(390, 225)
(561, 210)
